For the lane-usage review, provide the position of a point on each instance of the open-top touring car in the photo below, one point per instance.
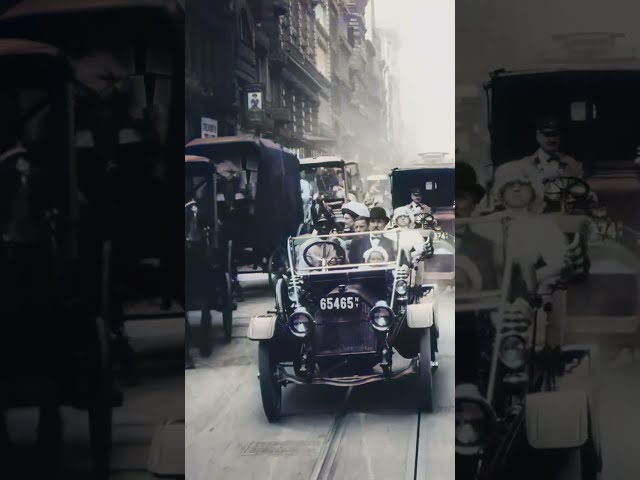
(343, 323)
(334, 180)
(523, 397)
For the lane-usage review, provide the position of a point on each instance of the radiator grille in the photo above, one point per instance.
(344, 338)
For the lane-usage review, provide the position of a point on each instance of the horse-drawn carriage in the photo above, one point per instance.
(208, 262)
(110, 114)
(258, 199)
(54, 279)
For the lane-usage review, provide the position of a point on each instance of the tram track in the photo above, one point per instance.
(332, 451)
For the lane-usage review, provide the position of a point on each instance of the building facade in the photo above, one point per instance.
(322, 78)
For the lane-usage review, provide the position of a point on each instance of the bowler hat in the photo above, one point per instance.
(467, 181)
(378, 213)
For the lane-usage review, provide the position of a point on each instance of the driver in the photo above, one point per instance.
(416, 205)
(548, 159)
(310, 255)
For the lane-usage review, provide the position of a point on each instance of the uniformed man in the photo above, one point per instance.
(416, 205)
(550, 162)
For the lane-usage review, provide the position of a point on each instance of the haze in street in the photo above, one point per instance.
(426, 60)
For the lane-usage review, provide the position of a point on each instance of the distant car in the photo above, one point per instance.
(344, 324)
(334, 179)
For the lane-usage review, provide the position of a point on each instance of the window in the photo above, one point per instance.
(246, 34)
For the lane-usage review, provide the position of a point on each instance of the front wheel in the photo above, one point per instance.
(205, 333)
(227, 310)
(270, 388)
(276, 265)
(425, 380)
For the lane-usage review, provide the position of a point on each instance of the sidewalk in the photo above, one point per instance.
(159, 345)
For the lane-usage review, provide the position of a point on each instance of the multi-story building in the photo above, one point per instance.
(324, 90)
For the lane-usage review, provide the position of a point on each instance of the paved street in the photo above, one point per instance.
(228, 436)
(159, 398)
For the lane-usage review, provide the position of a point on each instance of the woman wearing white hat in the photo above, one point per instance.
(351, 211)
(412, 243)
(533, 239)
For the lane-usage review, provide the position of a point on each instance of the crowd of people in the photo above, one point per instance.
(378, 246)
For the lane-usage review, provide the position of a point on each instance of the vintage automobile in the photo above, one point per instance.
(437, 182)
(439, 187)
(334, 179)
(524, 397)
(378, 191)
(345, 324)
(126, 128)
(54, 269)
(605, 306)
(207, 257)
(257, 178)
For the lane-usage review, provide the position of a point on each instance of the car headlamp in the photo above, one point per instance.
(513, 351)
(401, 287)
(294, 292)
(300, 322)
(475, 420)
(381, 316)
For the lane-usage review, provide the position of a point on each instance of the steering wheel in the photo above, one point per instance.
(560, 188)
(422, 219)
(327, 257)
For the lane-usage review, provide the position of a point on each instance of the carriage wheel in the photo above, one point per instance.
(424, 380)
(205, 333)
(227, 310)
(101, 403)
(277, 261)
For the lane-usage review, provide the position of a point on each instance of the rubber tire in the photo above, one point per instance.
(425, 377)
(227, 311)
(205, 334)
(270, 389)
(273, 276)
(100, 406)
(573, 467)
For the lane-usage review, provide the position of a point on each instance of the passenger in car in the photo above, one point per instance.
(412, 244)
(477, 249)
(537, 245)
(376, 255)
(378, 221)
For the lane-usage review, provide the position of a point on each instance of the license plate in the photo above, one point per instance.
(348, 302)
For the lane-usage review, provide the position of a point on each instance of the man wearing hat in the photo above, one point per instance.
(416, 205)
(548, 159)
(476, 248)
(378, 221)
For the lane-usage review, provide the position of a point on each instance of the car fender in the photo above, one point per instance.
(421, 315)
(262, 327)
(558, 419)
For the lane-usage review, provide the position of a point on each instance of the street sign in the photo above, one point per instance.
(209, 127)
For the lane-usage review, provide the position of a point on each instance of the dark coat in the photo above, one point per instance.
(480, 251)
(360, 245)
